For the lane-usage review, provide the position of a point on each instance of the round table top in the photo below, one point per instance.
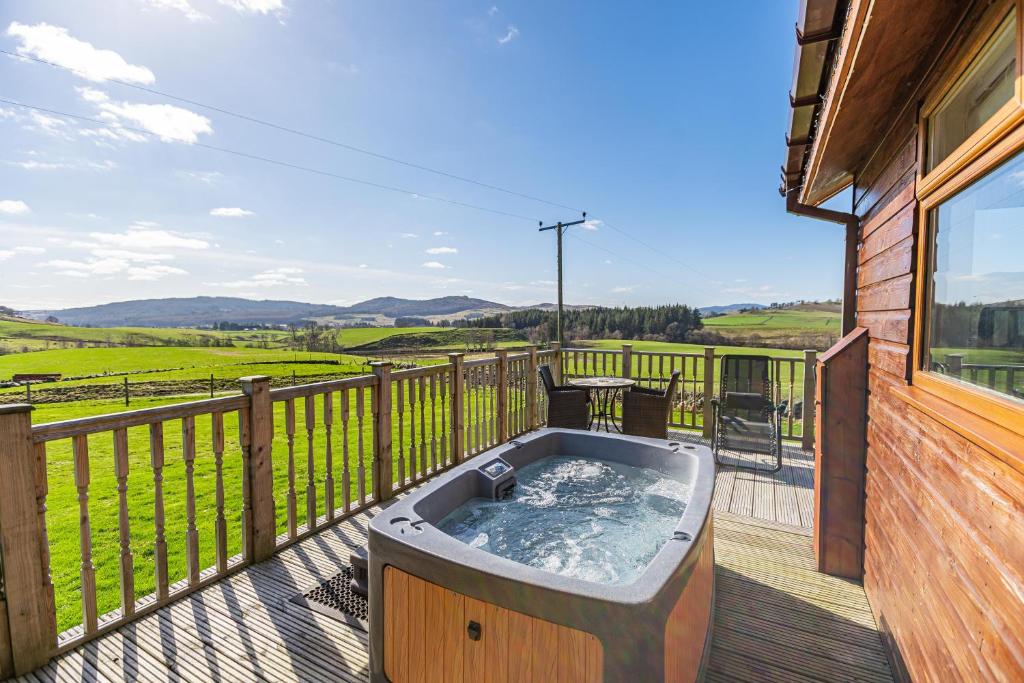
(602, 382)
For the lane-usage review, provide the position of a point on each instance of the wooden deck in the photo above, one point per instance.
(784, 497)
(776, 619)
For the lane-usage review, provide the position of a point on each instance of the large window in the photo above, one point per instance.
(986, 85)
(974, 324)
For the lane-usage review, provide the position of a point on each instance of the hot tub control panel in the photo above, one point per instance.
(499, 478)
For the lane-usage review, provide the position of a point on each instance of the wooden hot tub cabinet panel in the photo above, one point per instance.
(426, 638)
(687, 626)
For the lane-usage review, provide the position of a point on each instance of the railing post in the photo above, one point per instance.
(556, 367)
(532, 417)
(627, 360)
(260, 471)
(27, 632)
(501, 405)
(956, 364)
(810, 361)
(708, 413)
(383, 470)
(458, 400)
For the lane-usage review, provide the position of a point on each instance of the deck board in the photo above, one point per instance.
(776, 619)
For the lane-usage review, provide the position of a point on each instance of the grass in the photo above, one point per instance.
(15, 334)
(810, 328)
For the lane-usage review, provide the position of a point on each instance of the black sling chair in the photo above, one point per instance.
(746, 418)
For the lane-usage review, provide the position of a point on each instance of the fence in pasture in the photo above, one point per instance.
(104, 519)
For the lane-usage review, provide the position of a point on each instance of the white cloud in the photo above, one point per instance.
(408, 235)
(255, 6)
(54, 44)
(128, 255)
(439, 233)
(275, 277)
(6, 254)
(48, 125)
(183, 6)
(206, 177)
(135, 238)
(92, 94)
(30, 250)
(591, 224)
(363, 265)
(169, 123)
(509, 36)
(230, 212)
(442, 250)
(35, 165)
(109, 267)
(623, 289)
(434, 265)
(492, 11)
(14, 207)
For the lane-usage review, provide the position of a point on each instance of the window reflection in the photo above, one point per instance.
(976, 296)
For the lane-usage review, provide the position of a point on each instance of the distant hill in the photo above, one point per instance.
(207, 310)
(717, 310)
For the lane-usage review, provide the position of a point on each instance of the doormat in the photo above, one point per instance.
(334, 598)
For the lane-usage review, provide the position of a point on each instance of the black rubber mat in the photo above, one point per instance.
(334, 598)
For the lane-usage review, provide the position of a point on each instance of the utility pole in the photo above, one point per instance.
(560, 229)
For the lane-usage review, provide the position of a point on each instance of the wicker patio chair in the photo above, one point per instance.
(746, 417)
(568, 407)
(646, 412)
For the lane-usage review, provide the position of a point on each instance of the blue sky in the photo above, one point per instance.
(665, 121)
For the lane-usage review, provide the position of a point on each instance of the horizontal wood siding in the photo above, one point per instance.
(944, 564)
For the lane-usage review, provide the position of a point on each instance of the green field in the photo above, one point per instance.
(16, 335)
(802, 326)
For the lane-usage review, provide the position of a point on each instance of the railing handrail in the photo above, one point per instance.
(317, 388)
(81, 426)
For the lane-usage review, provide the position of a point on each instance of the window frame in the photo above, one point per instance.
(989, 133)
(995, 142)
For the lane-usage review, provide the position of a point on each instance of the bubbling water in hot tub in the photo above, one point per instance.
(595, 520)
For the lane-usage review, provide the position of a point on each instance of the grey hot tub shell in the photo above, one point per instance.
(629, 620)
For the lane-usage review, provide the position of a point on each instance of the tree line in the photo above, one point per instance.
(673, 323)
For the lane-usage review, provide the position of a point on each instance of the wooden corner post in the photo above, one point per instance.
(382, 453)
(708, 412)
(627, 360)
(260, 471)
(501, 388)
(810, 372)
(532, 416)
(556, 366)
(27, 632)
(458, 401)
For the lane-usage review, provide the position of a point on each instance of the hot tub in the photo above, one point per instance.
(457, 593)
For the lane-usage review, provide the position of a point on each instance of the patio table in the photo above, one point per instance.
(604, 392)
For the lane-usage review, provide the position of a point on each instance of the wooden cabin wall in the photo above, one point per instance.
(944, 518)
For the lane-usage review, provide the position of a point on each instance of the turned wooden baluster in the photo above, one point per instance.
(423, 426)
(433, 423)
(220, 523)
(412, 430)
(329, 455)
(127, 564)
(346, 473)
(245, 443)
(289, 428)
(88, 572)
(361, 466)
(443, 381)
(188, 453)
(400, 404)
(42, 491)
(156, 453)
(310, 480)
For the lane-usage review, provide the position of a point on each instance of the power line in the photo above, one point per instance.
(276, 162)
(301, 133)
(660, 252)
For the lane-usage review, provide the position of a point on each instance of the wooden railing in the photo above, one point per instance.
(1001, 377)
(167, 500)
(794, 383)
